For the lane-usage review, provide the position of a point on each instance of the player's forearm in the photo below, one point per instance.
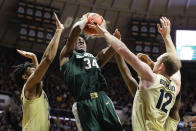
(141, 68)
(122, 65)
(35, 61)
(105, 55)
(47, 59)
(113, 41)
(122, 50)
(51, 50)
(126, 74)
(73, 36)
(81, 24)
(170, 48)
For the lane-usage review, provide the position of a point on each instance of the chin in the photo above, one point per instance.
(154, 71)
(80, 50)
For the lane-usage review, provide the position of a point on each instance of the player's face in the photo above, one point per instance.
(81, 44)
(29, 71)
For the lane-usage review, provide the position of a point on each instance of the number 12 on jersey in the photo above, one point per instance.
(89, 64)
(160, 105)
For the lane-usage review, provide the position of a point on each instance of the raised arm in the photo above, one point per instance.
(164, 30)
(73, 37)
(140, 67)
(126, 74)
(29, 55)
(46, 60)
(106, 54)
(124, 70)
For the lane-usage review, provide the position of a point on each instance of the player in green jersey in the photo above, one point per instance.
(93, 109)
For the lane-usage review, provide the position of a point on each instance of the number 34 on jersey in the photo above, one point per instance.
(89, 60)
(90, 64)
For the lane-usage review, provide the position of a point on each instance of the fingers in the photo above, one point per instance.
(93, 23)
(158, 26)
(57, 20)
(55, 16)
(164, 22)
(139, 55)
(193, 119)
(58, 23)
(20, 51)
(23, 53)
(92, 26)
(117, 32)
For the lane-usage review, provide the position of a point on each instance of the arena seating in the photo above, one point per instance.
(61, 101)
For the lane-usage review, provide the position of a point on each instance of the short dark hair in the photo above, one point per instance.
(19, 71)
(171, 62)
(84, 36)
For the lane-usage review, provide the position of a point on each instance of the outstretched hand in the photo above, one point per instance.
(193, 120)
(146, 59)
(26, 54)
(117, 34)
(100, 30)
(29, 55)
(58, 23)
(165, 27)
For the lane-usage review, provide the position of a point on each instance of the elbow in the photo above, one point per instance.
(48, 59)
(121, 49)
(77, 28)
(61, 55)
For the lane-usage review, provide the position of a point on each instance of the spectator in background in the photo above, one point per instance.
(193, 120)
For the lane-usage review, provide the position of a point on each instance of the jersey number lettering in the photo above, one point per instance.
(89, 64)
(166, 95)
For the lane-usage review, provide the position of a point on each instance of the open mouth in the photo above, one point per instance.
(81, 43)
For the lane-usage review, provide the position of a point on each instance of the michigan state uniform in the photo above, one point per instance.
(151, 106)
(35, 113)
(93, 109)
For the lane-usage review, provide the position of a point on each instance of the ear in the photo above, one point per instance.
(24, 77)
(162, 67)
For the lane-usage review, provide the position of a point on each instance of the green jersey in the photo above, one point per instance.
(82, 75)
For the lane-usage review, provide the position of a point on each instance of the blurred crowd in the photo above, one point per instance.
(59, 96)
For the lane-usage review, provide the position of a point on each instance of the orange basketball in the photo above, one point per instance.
(96, 18)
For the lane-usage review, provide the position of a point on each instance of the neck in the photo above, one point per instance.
(80, 51)
(165, 75)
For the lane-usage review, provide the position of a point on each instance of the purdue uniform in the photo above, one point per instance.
(35, 113)
(151, 106)
(171, 124)
(93, 109)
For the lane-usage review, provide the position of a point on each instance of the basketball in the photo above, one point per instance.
(96, 18)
